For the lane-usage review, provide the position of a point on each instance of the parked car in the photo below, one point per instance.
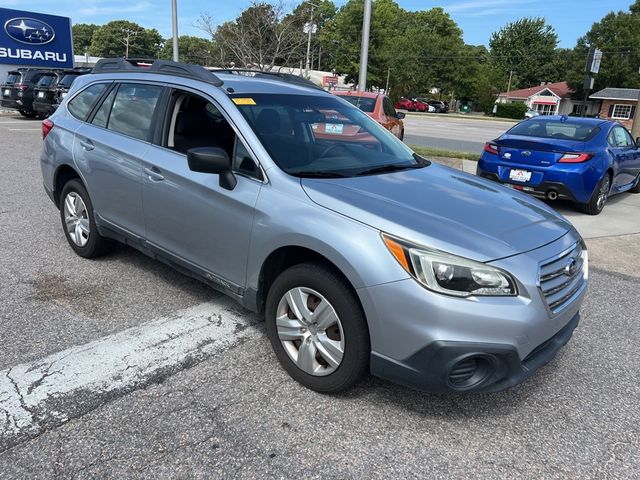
(17, 90)
(362, 255)
(531, 113)
(583, 160)
(378, 107)
(51, 86)
(65, 84)
(440, 107)
(405, 104)
(420, 106)
(427, 107)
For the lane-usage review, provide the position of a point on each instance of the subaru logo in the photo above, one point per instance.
(29, 31)
(526, 153)
(507, 155)
(571, 268)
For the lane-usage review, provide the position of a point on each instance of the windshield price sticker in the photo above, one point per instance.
(334, 128)
(244, 101)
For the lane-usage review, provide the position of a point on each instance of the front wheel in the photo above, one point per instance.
(27, 113)
(599, 197)
(317, 328)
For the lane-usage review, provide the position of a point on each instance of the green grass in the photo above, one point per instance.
(437, 152)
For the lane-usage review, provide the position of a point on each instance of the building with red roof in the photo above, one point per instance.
(547, 99)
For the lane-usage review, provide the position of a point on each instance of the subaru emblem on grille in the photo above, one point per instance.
(571, 268)
(526, 153)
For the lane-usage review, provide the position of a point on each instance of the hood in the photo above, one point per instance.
(443, 208)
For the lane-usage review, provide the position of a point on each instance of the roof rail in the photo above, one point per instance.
(165, 67)
(286, 77)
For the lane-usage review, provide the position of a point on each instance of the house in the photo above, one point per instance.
(618, 104)
(547, 99)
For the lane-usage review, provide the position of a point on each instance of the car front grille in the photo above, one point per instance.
(562, 277)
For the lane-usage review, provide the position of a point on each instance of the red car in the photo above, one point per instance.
(420, 106)
(378, 107)
(405, 104)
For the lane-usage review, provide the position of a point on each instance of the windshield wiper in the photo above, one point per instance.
(319, 174)
(391, 167)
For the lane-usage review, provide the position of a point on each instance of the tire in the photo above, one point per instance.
(27, 113)
(89, 244)
(345, 328)
(596, 203)
(402, 135)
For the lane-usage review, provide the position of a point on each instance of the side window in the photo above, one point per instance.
(82, 103)
(388, 108)
(621, 137)
(630, 141)
(133, 108)
(101, 118)
(195, 122)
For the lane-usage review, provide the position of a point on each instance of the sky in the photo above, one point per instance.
(477, 18)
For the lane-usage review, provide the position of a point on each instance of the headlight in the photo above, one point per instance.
(449, 274)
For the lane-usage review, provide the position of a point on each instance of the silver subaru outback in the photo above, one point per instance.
(363, 256)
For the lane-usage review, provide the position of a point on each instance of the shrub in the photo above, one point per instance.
(511, 110)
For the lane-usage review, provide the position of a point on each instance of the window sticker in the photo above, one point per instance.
(333, 128)
(244, 101)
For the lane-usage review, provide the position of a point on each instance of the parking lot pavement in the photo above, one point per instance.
(221, 407)
(451, 133)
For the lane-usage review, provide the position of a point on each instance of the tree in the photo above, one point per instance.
(617, 35)
(110, 40)
(323, 11)
(527, 47)
(261, 37)
(191, 50)
(82, 35)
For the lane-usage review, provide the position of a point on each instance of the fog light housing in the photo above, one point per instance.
(471, 371)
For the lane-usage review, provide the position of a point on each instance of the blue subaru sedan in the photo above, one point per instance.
(584, 160)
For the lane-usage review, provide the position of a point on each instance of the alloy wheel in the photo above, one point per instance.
(603, 193)
(310, 331)
(76, 219)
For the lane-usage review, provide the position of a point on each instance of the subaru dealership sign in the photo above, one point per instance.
(35, 39)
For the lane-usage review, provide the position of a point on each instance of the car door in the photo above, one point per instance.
(626, 156)
(188, 215)
(109, 149)
(392, 122)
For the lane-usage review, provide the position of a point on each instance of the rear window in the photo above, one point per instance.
(13, 77)
(46, 81)
(67, 80)
(567, 130)
(82, 103)
(365, 104)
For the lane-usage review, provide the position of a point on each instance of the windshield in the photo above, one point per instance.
(67, 80)
(13, 77)
(561, 130)
(322, 136)
(365, 104)
(46, 81)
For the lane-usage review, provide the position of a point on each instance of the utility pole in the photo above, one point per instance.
(386, 89)
(510, 78)
(174, 21)
(310, 31)
(128, 33)
(364, 47)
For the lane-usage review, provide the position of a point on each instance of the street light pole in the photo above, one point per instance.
(364, 47)
(310, 28)
(510, 77)
(174, 18)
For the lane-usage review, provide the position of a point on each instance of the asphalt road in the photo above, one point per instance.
(447, 132)
(123, 368)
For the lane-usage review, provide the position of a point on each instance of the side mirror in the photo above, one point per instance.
(400, 115)
(212, 160)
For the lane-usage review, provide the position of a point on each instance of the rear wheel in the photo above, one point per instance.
(78, 222)
(317, 328)
(599, 197)
(27, 113)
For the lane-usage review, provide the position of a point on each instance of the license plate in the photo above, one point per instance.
(40, 94)
(7, 92)
(519, 175)
(333, 128)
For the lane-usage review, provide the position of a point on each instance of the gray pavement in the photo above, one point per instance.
(231, 412)
(452, 132)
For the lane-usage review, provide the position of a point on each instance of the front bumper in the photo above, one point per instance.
(9, 103)
(428, 341)
(464, 367)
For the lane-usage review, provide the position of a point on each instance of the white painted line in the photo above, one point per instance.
(24, 129)
(19, 121)
(49, 392)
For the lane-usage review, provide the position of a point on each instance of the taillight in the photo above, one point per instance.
(491, 148)
(575, 157)
(47, 126)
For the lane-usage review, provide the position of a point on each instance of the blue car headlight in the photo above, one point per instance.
(450, 274)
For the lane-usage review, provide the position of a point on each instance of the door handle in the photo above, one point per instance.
(87, 145)
(154, 174)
